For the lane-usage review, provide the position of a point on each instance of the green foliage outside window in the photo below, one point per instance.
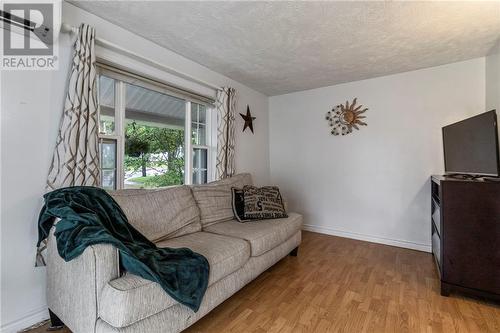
(154, 148)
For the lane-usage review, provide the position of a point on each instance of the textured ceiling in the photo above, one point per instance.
(281, 47)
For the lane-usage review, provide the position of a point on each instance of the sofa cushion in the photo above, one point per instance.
(131, 298)
(224, 254)
(215, 199)
(160, 213)
(241, 178)
(263, 235)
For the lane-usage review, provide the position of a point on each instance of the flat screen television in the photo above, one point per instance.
(471, 146)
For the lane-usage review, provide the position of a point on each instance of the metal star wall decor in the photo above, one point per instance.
(248, 120)
(343, 118)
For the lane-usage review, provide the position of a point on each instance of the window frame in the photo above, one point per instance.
(121, 78)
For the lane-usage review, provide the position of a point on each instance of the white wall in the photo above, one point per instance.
(493, 79)
(374, 183)
(31, 107)
(30, 111)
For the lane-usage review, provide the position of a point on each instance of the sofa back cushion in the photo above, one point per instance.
(215, 199)
(160, 214)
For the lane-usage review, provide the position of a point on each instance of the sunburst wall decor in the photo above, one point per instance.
(343, 118)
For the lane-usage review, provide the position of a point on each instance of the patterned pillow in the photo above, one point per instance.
(263, 203)
(238, 202)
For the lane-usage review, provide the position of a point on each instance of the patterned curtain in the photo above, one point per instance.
(76, 156)
(226, 110)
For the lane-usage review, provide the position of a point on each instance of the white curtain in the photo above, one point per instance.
(226, 110)
(76, 156)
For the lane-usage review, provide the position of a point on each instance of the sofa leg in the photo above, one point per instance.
(294, 252)
(55, 323)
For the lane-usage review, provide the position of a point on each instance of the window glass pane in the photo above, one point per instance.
(154, 138)
(106, 105)
(108, 179)
(194, 112)
(199, 177)
(108, 164)
(200, 135)
(198, 124)
(200, 165)
(199, 158)
(202, 115)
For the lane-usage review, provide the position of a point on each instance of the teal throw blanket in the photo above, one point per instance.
(88, 215)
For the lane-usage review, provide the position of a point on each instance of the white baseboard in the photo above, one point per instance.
(30, 318)
(368, 238)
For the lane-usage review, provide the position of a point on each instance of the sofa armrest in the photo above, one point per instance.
(74, 288)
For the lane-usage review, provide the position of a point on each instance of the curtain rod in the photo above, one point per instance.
(67, 28)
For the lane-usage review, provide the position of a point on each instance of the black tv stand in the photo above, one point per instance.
(465, 229)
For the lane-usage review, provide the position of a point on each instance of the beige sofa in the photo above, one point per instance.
(90, 294)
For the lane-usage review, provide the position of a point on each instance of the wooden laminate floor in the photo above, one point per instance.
(343, 285)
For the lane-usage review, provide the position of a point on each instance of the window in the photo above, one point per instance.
(151, 137)
(108, 163)
(199, 140)
(106, 105)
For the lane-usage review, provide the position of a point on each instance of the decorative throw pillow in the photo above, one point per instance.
(263, 203)
(238, 201)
